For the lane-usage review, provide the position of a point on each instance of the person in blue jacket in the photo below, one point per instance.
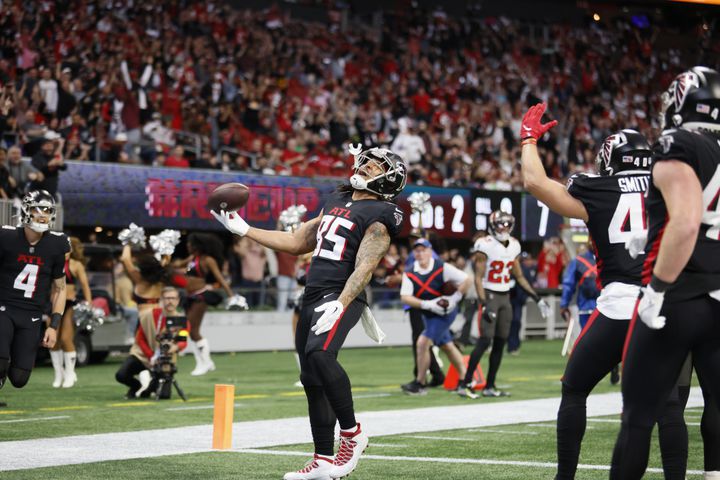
(580, 275)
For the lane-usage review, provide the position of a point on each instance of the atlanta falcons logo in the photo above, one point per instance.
(682, 85)
(610, 144)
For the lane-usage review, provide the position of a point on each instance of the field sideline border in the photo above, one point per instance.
(80, 449)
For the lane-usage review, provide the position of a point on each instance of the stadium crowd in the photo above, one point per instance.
(201, 85)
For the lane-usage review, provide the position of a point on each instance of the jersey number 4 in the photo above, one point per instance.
(328, 231)
(27, 279)
(628, 219)
(711, 206)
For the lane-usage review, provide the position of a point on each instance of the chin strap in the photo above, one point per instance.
(39, 227)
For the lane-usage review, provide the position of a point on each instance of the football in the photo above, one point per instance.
(228, 197)
(448, 288)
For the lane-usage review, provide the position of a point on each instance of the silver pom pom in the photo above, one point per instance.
(134, 236)
(419, 201)
(237, 302)
(164, 243)
(87, 317)
(291, 218)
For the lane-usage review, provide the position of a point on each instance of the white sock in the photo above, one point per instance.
(56, 356)
(70, 358)
(204, 349)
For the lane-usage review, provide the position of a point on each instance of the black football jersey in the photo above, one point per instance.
(342, 228)
(616, 211)
(27, 270)
(702, 152)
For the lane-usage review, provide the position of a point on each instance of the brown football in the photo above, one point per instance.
(448, 288)
(228, 197)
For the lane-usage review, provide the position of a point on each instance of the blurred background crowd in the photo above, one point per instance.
(203, 85)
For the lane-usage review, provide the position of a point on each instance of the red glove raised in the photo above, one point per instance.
(531, 123)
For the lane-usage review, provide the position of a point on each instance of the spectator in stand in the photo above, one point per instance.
(253, 260)
(551, 262)
(5, 185)
(177, 158)
(21, 173)
(49, 161)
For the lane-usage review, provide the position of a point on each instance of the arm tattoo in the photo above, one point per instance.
(372, 249)
(308, 239)
(59, 284)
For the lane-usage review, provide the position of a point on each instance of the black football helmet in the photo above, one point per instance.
(388, 184)
(693, 101)
(501, 224)
(37, 200)
(624, 150)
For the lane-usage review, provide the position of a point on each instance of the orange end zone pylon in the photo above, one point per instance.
(452, 378)
(223, 416)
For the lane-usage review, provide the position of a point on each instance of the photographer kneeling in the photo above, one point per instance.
(147, 349)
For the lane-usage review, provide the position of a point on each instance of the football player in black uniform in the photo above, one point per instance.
(611, 204)
(31, 257)
(679, 307)
(348, 240)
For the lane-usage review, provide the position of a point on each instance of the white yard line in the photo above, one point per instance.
(35, 419)
(504, 432)
(467, 461)
(79, 449)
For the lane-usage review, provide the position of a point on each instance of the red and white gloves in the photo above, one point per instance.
(232, 221)
(532, 126)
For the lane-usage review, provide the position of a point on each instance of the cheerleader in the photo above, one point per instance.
(203, 270)
(63, 354)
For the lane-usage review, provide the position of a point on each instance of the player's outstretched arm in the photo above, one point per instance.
(682, 192)
(372, 249)
(551, 193)
(303, 240)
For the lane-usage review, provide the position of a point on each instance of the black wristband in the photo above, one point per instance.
(535, 297)
(659, 285)
(55, 320)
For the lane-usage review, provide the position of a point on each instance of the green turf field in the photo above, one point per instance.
(264, 390)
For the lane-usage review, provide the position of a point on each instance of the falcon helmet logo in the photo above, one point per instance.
(611, 143)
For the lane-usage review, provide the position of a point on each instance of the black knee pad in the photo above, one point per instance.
(572, 395)
(310, 379)
(325, 365)
(18, 376)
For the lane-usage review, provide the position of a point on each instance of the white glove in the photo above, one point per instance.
(432, 306)
(635, 245)
(332, 311)
(237, 302)
(649, 308)
(453, 300)
(544, 309)
(232, 221)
